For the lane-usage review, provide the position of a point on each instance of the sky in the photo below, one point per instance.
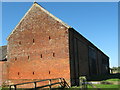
(96, 21)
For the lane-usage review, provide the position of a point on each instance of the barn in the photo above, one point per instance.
(43, 47)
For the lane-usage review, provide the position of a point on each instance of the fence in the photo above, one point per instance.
(61, 82)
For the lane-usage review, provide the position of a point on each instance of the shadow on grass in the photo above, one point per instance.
(104, 77)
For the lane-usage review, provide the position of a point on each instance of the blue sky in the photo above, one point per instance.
(98, 22)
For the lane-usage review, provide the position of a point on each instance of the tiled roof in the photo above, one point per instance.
(3, 52)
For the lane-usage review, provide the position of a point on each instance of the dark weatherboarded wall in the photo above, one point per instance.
(85, 59)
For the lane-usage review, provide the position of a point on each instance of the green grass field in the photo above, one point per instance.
(104, 86)
(115, 79)
(101, 86)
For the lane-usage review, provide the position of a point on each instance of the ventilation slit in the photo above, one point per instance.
(49, 72)
(53, 54)
(41, 55)
(28, 57)
(33, 73)
(19, 42)
(18, 73)
(49, 37)
(33, 41)
(15, 58)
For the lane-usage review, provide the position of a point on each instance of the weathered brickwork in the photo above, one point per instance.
(3, 72)
(38, 48)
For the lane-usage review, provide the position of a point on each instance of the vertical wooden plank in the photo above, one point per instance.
(60, 80)
(10, 87)
(71, 55)
(15, 87)
(35, 85)
(50, 84)
(76, 64)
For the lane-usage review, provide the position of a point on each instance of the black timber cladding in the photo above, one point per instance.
(91, 51)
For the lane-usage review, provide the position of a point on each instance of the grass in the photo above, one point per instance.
(5, 88)
(106, 86)
(116, 79)
(101, 86)
(89, 86)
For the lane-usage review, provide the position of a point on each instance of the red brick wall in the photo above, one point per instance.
(38, 48)
(3, 72)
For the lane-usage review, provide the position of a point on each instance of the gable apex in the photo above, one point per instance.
(35, 4)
